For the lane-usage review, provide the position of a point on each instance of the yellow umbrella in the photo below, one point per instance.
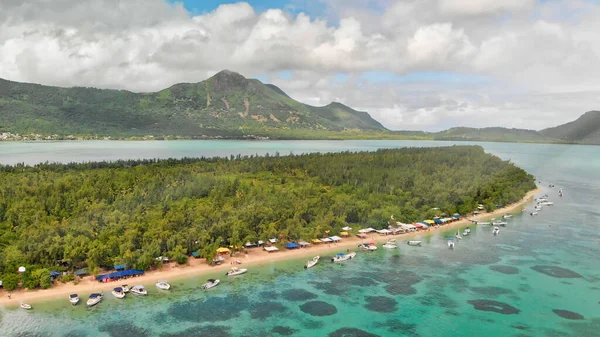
(431, 222)
(223, 250)
(344, 233)
(316, 241)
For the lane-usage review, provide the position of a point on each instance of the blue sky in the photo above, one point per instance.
(311, 7)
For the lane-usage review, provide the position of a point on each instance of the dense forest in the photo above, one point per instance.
(96, 215)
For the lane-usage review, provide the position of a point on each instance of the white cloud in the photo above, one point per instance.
(527, 49)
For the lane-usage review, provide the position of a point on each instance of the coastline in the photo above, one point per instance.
(255, 256)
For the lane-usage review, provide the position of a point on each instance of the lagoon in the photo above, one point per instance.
(523, 282)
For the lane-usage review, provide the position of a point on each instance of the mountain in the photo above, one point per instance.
(227, 105)
(495, 134)
(583, 130)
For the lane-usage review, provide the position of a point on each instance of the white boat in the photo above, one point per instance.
(163, 285)
(118, 293)
(236, 271)
(496, 231)
(343, 257)
(238, 261)
(94, 299)
(451, 243)
(507, 216)
(458, 236)
(534, 213)
(465, 233)
(414, 243)
(138, 290)
(367, 246)
(547, 203)
(390, 244)
(125, 288)
(500, 223)
(312, 262)
(210, 284)
(484, 223)
(74, 299)
(468, 230)
(26, 306)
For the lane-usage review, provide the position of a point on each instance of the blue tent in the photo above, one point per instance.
(438, 221)
(54, 274)
(195, 254)
(292, 245)
(120, 267)
(81, 272)
(456, 216)
(124, 273)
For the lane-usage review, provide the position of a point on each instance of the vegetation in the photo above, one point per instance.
(96, 215)
(584, 130)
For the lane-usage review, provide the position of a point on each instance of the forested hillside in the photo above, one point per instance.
(101, 214)
(583, 130)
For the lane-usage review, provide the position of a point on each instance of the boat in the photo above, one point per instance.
(534, 213)
(74, 299)
(94, 299)
(484, 223)
(547, 203)
(238, 261)
(125, 288)
(496, 231)
(414, 243)
(390, 244)
(507, 216)
(118, 292)
(465, 233)
(138, 290)
(341, 257)
(236, 271)
(312, 262)
(211, 283)
(367, 246)
(26, 306)
(451, 243)
(458, 236)
(500, 223)
(163, 285)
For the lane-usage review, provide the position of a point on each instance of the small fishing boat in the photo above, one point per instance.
(458, 236)
(414, 243)
(125, 288)
(391, 244)
(26, 306)
(368, 246)
(507, 216)
(341, 257)
(118, 293)
(485, 223)
(74, 299)
(496, 231)
(138, 290)
(451, 243)
(211, 283)
(465, 233)
(236, 271)
(534, 213)
(547, 203)
(238, 261)
(163, 285)
(94, 299)
(468, 230)
(312, 262)
(500, 223)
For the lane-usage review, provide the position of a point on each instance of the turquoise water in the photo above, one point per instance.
(536, 266)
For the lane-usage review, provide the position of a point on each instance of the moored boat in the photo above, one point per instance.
(312, 262)
(74, 299)
(94, 299)
(390, 244)
(118, 292)
(25, 306)
(368, 246)
(125, 288)
(236, 271)
(451, 243)
(163, 285)
(507, 216)
(211, 283)
(458, 236)
(484, 223)
(465, 233)
(500, 223)
(414, 243)
(496, 231)
(534, 213)
(343, 257)
(138, 290)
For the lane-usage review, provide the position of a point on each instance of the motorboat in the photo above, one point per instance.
(451, 243)
(238, 261)
(547, 203)
(465, 233)
(74, 299)
(534, 213)
(485, 223)
(236, 271)
(368, 246)
(458, 236)
(496, 230)
(414, 243)
(391, 244)
(211, 283)
(507, 216)
(500, 223)
(26, 306)
(138, 290)
(341, 257)
(94, 299)
(468, 230)
(312, 262)
(125, 288)
(163, 285)
(118, 293)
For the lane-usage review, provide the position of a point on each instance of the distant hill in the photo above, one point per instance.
(584, 130)
(227, 105)
(495, 134)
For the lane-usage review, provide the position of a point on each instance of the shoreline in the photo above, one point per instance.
(255, 256)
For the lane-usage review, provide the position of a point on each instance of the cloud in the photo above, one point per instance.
(524, 49)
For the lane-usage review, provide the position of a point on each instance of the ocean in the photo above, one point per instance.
(539, 277)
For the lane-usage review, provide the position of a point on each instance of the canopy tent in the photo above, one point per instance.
(347, 228)
(261, 242)
(424, 225)
(124, 273)
(335, 238)
(362, 235)
(250, 244)
(431, 222)
(195, 254)
(54, 274)
(81, 272)
(418, 225)
(303, 244)
(438, 221)
(292, 245)
(120, 267)
(316, 241)
(326, 240)
(367, 230)
(223, 250)
(384, 231)
(271, 249)
(273, 240)
(456, 216)
(344, 233)
(22, 269)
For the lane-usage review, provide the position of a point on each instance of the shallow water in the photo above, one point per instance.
(539, 277)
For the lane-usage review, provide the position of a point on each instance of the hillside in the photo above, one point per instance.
(495, 134)
(227, 105)
(584, 130)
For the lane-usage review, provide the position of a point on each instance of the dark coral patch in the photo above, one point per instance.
(318, 308)
(351, 332)
(494, 306)
(119, 329)
(75, 333)
(213, 309)
(381, 304)
(505, 269)
(266, 309)
(298, 295)
(568, 314)
(557, 272)
(210, 330)
(330, 288)
(283, 330)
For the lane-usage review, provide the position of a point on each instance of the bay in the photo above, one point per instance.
(513, 284)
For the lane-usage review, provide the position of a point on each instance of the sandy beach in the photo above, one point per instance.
(255, 256)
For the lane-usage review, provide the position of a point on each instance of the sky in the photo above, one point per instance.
(412, 64)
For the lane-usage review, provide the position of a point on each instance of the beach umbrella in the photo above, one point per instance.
(21, 269)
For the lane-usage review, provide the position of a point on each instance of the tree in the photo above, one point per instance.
(10, 282)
